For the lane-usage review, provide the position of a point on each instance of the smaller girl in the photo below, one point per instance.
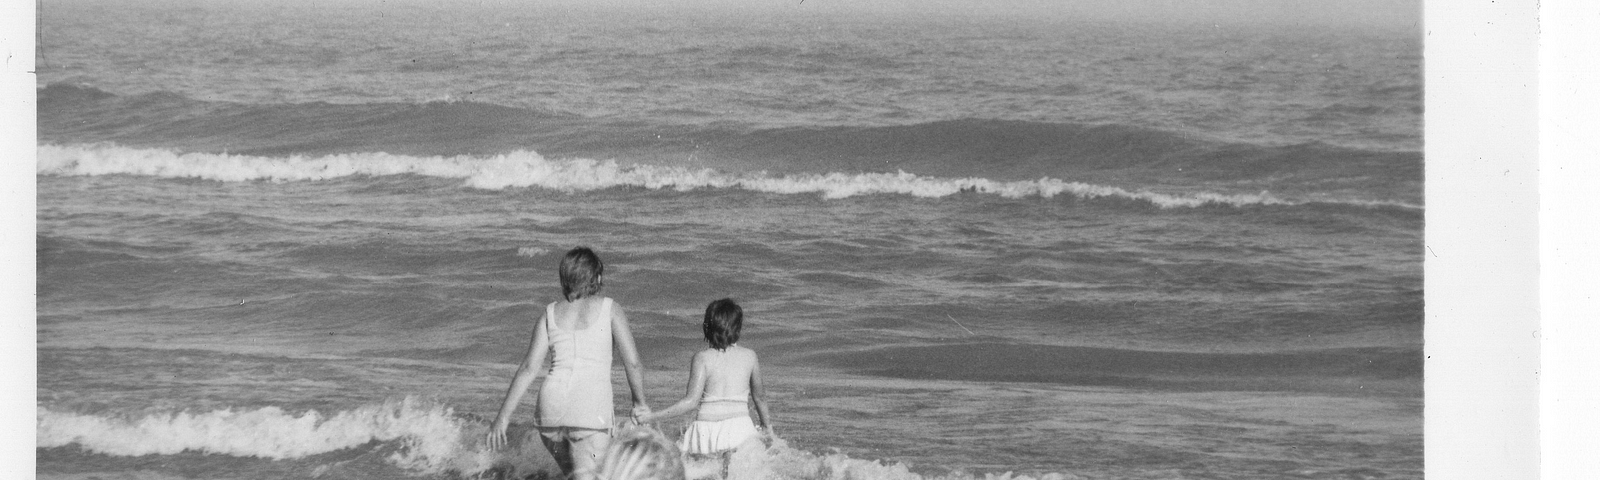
(722, 379)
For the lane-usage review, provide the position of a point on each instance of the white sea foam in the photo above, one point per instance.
(529, 169)
(531, 252)
(432, 438)
(755, 461)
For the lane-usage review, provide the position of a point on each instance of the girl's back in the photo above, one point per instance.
(727, 374)
(578, 314)
(577, 390)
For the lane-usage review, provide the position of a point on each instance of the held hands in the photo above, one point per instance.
(641, 414)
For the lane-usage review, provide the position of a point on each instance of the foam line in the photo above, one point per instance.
(434, 439)
(529, 169)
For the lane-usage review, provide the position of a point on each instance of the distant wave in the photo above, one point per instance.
(1006, 150)
(76, 114)
(529, 169)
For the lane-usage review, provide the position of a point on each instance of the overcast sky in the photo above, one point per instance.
(1385, 12)
(1364, 12)
(1388, 12)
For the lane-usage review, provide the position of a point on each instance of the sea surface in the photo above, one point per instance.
(310, 239)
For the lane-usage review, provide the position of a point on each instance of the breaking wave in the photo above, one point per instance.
(529, 169)
(432, 439)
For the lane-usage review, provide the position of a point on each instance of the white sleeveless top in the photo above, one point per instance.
(577, 390)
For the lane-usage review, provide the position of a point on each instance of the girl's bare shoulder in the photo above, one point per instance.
(704, 355)
(733, 351)
(743, 354)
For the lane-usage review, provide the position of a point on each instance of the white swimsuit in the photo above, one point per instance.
(577, 391)
(708, 437)
(725, 406)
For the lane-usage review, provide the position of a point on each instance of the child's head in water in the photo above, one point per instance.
(580, 272)
(642, 454)
(723, 321)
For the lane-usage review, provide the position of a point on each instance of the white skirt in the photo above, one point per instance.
(704, 438)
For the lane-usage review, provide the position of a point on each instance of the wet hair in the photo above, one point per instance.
(580, 273)
(723, 321)
(641, 453)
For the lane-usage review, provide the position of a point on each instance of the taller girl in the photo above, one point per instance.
(575, 411)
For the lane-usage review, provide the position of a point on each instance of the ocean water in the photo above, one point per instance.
(308, 240)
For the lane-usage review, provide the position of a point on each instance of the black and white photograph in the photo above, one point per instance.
(730, 240)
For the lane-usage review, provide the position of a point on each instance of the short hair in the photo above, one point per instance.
(580, 273)
(724, 319)
(641, 453)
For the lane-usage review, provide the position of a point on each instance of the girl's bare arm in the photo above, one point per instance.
(622, 335)
(537, 349)
(691, 394)
(758, 394)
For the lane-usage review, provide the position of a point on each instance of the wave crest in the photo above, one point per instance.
(529, 169)
(434, 439)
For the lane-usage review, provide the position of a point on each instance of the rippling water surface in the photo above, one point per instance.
(309, 240)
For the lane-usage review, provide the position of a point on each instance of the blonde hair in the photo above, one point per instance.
(641, 453)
